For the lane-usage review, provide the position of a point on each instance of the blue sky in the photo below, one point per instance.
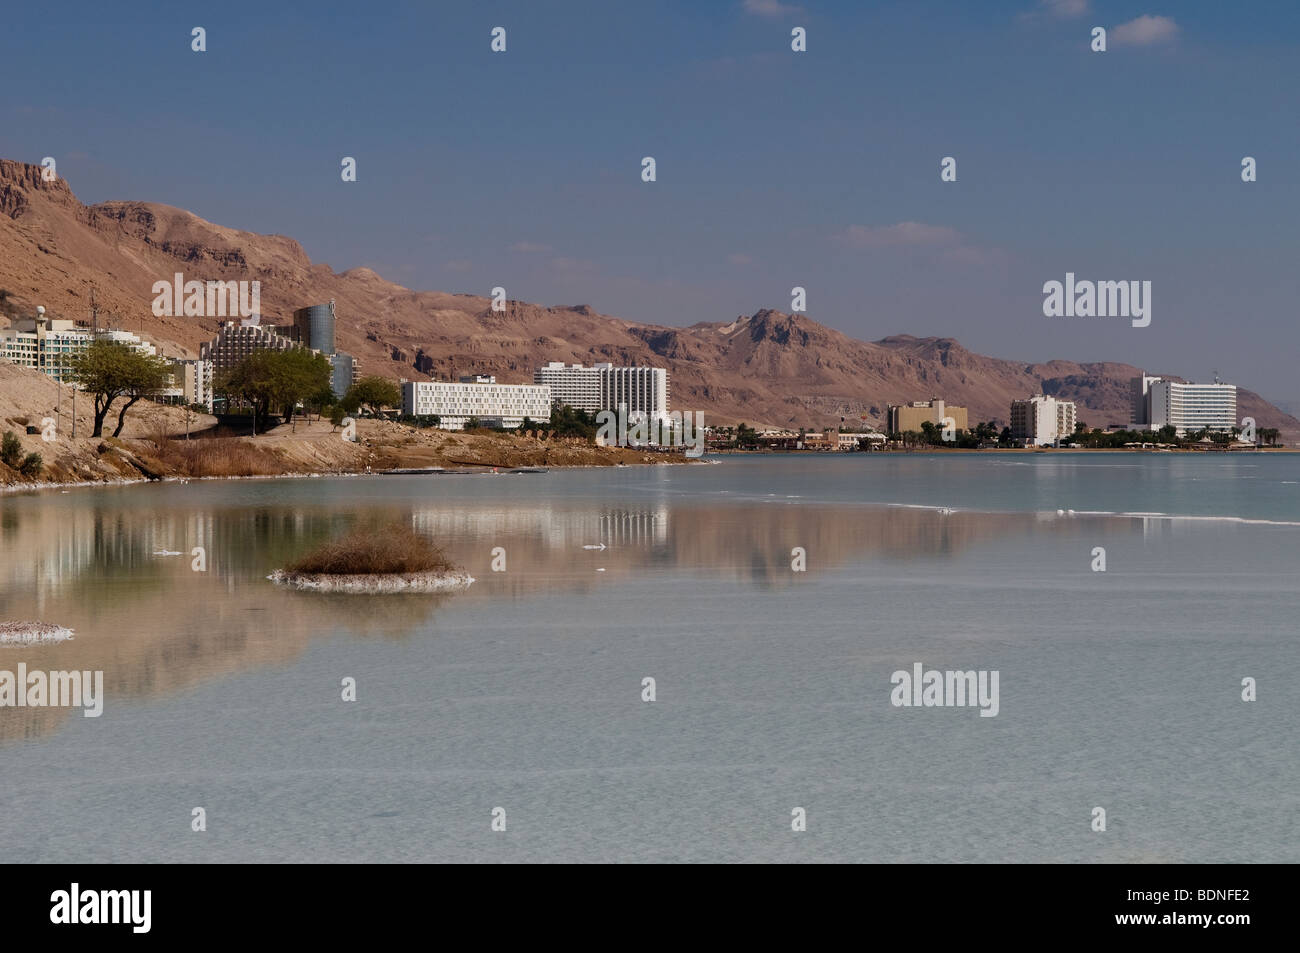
(775, 168)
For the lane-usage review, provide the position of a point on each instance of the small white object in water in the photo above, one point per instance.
(373, 584)
(602, 569)
(32, 633)
(165, 552)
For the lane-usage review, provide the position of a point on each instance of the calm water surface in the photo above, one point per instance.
(1119, 689)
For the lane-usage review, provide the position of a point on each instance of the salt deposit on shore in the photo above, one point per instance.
(374, 583)
(32, 633)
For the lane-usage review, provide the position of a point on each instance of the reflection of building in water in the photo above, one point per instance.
(558, 527)
(635, 527)
(46, 550)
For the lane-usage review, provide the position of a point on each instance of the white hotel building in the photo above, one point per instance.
(1042, 421)
(493, 404)
(49, 344)
(643, 390)
(572, 385)
(1187, 407)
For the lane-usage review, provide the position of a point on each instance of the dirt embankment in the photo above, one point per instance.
(153, 443)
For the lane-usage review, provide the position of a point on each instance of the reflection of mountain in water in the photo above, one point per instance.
(155, 626)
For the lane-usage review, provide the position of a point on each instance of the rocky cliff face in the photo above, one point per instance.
(767, 368)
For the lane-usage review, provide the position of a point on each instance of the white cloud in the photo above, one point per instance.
(902, 233)
(572, 266)
(770, 8)
(1065, 8)
(1145, 30)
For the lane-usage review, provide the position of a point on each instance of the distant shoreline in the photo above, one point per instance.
(1012, 450)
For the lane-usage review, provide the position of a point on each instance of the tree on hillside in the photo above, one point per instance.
(275, 379)
(322, 401)
(108, 370)
(11, 450)
(375, 393)
(147, 376)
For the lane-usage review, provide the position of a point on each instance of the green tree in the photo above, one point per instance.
(322, 401)
(108, 370)
(567, 421)
(11, 450)
(746, 437)
(375, 393)
(32, 465)
(269, 379)
(146, 376)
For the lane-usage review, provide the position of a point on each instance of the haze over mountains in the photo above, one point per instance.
(768, 368)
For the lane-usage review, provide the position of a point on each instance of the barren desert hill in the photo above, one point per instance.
(767, 368)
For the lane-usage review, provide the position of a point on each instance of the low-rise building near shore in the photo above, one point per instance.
(456, 403)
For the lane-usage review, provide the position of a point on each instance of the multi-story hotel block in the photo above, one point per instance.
(191, 382)
(642, 390)
(48, 344)
(572, 385)
(1159, 403)
(492, 404)
(313, 327)
(1042, 421)
(904, 417)
(236, 341)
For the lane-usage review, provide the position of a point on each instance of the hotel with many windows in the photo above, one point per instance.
(643, 390)
(455, 403)
(1042, 421)
(1188, 408)
(48, 344)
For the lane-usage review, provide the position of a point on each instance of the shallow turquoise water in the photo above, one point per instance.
(1119, 689)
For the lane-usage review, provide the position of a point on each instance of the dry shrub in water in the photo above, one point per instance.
(388, 550)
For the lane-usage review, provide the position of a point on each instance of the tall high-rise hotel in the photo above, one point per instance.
(642, 390)
(1188, 407)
